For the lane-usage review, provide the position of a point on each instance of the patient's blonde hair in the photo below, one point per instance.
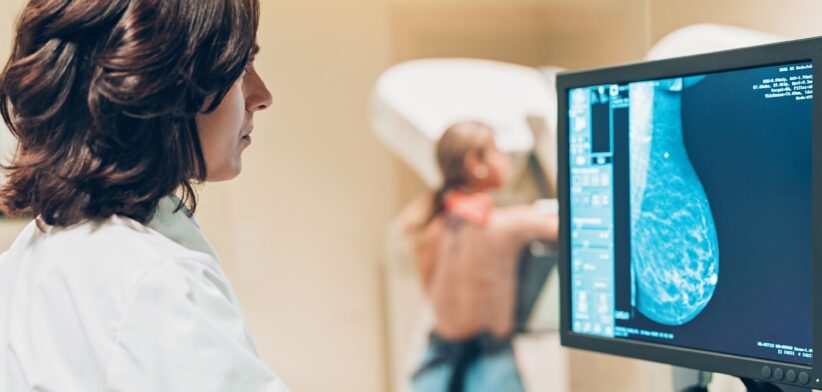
(454, 145)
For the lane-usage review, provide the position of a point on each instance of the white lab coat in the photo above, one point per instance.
(119, 306)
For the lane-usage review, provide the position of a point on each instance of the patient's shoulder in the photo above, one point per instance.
(511, 217)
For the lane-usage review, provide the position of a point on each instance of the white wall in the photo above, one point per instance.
(791, 18)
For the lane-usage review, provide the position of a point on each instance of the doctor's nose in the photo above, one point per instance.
(258, 97)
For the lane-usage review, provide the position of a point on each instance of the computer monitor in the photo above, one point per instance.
(690, 204)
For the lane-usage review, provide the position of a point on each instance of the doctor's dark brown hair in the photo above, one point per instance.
(102, 96)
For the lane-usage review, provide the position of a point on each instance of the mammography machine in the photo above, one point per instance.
(414, 102)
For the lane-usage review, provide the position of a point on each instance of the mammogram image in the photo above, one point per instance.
(674, 248)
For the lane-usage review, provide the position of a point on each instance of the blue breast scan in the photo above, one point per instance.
(690, 211)
(675, 253)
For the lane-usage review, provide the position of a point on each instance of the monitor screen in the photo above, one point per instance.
(690, 211)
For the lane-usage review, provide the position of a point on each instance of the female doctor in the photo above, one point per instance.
(119, 105)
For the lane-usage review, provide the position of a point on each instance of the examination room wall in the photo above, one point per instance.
(301, 231)
(792, 19)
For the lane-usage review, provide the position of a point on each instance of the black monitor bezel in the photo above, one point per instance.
(806, 50)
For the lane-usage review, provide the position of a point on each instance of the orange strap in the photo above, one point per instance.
(475, 208)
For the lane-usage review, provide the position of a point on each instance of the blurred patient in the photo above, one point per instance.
(467, 253)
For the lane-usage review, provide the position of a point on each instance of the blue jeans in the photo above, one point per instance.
(482, 364)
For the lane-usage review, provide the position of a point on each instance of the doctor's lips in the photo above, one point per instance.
(247, 134)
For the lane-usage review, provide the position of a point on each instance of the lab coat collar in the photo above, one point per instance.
(179, 226)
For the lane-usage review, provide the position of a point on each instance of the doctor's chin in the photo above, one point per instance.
(410, 196)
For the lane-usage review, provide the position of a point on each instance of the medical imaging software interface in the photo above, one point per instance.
(690, 212)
